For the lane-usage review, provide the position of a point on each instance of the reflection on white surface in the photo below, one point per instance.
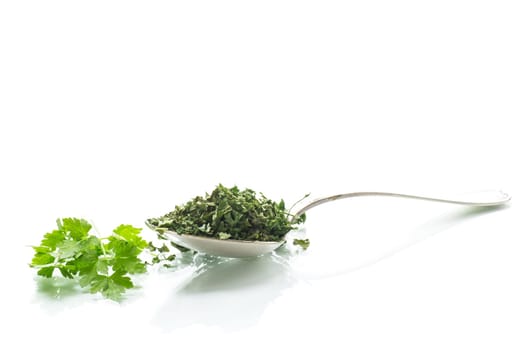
(228, 293)
(233, 294)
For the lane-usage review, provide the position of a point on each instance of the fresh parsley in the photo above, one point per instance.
(102, 264)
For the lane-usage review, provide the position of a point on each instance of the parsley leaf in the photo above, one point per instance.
(42, 259)
(131, 234)
(76, 228)
(126, 256)
(53, 238)
(46, 271)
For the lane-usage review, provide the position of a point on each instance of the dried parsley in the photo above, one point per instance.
(303, 243)
(230, 213)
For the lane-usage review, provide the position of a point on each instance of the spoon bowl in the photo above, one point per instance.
(245, 249)
(224, 247)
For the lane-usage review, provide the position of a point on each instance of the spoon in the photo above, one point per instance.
(245, 249)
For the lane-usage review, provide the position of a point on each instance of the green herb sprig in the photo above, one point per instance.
(102, 264)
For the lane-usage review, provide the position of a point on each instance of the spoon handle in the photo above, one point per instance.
(476, 199)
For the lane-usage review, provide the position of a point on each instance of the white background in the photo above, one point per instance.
(118, 110)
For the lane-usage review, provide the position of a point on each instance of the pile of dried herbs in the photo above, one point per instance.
(230, 213)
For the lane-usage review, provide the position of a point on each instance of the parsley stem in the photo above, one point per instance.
(53, 264)
(102, 247)
(100, 238)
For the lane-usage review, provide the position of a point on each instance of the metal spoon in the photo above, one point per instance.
(245, 249)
